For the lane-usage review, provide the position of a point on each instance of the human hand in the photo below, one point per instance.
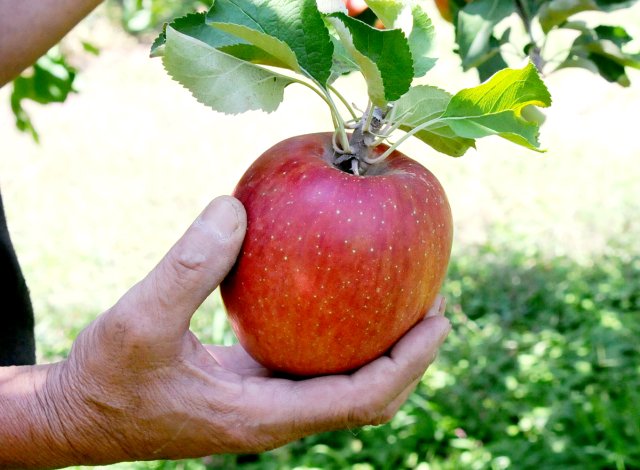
(138, 385)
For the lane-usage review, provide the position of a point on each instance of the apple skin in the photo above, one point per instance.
(334, 268)
(355, 7)
(445, 9)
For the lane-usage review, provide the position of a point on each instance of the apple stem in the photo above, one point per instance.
(368, 117)
(367, 133)
(355, 167)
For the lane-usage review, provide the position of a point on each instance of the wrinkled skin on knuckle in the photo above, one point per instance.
(183, 264)
(363, 414)
(385, 416)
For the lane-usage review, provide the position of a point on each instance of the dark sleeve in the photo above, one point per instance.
(17, 343)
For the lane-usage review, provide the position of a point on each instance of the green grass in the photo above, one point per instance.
(542, 368)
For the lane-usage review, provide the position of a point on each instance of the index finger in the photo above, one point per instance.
(347, 401)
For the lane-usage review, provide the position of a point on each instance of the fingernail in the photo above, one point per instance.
(445, 332)
(443, 305)
(437, 308)
(222, 217)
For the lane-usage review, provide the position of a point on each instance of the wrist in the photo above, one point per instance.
(46, 422)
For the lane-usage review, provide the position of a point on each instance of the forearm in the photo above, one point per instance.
(39, 427)
(29, 28)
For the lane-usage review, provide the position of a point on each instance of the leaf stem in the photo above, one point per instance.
(338, 122)
(344, 101)
(368, 117)
(392, 148)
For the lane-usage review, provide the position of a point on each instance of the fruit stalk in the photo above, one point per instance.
(365, 136)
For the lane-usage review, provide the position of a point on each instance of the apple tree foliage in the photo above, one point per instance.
(51, 78)
(489, 34)
(313, 43)
(552, 33)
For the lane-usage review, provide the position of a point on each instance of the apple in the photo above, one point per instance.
(335, 267)
(348, 240)
(444, 7)
(355, 7)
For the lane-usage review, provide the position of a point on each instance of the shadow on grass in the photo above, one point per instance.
(542, 370)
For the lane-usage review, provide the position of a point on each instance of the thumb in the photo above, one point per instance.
(161, 305)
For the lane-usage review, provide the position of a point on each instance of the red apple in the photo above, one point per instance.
(355, 7)
(444, 7)
(335, 268)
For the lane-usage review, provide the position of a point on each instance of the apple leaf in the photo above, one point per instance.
(493, 61)
(495, 107)
(195, 25)
(343, 62)
(601, 51)
(556, 12)
(293, 31)
(383, 56)
(416, 26)
(219, 80)
(50, 80)
(422, 104)
(474, 29)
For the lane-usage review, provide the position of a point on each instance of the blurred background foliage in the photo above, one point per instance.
(542, 368)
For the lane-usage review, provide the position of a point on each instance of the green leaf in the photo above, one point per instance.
(493, 62)
(556, 12)
(495, 107)
(292, 31)
(50, 80)
(416, 26)
(219, 80)
(421, 42)
(474, 29)
(384, 57)
(422, 104)
(343, 62)
(195, 25)
(90, 48)
(601, 51)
